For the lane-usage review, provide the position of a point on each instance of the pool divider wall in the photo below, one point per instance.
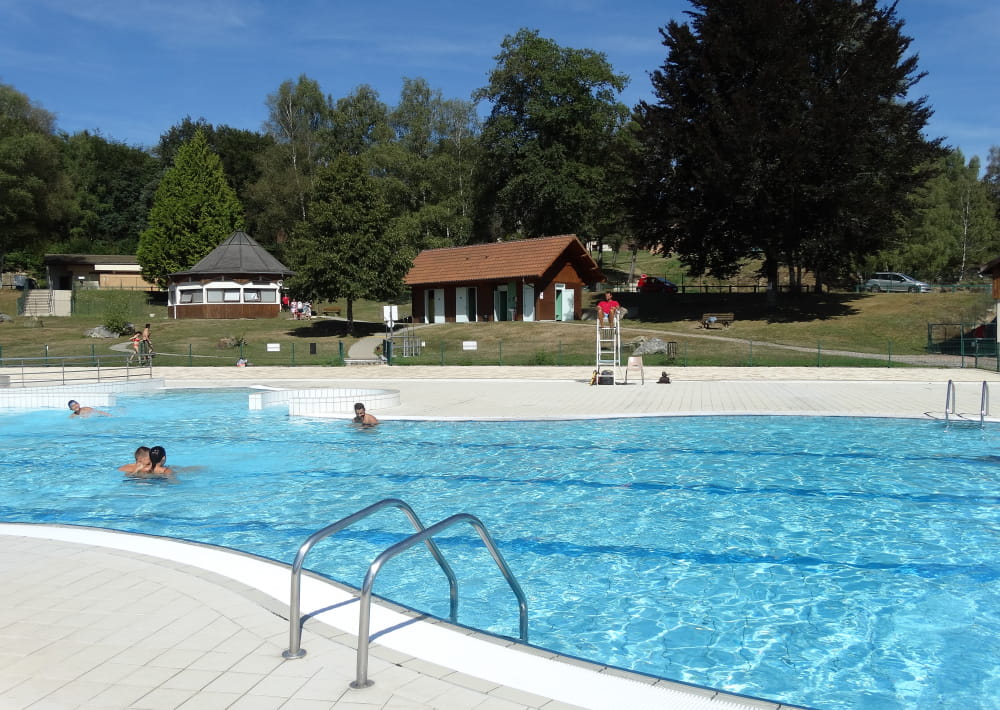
(324, 402)
(96, 394)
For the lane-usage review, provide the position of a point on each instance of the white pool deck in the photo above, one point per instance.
(98, 619)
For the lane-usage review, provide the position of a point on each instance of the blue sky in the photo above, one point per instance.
(133, 68)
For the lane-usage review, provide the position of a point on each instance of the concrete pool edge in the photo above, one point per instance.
(399, 632)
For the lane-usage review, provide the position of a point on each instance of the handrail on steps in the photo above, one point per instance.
(364, 613)
(949, 400)
(295, 649)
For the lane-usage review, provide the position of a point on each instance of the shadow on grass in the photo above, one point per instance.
(791, 308)
(335, 329)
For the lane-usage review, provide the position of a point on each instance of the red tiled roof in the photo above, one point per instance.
(501, 261)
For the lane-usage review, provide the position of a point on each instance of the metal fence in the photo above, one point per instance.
(51, 371)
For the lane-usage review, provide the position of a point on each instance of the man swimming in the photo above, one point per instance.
(363, 418)
(78, 411)
(141, 464)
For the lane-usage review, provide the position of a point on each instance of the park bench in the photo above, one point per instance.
(331, 311)
(725, 319)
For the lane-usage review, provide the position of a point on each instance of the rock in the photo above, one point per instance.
(651, 346)
(101, 332)
(4, 317)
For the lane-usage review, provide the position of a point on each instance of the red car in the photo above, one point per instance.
(653, 284)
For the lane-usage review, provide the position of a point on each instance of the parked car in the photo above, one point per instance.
(654, 284)
(894, 281)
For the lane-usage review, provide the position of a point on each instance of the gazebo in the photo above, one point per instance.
(238, 279)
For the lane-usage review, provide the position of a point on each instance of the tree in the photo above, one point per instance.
(546, 141)
(113, 184)
(992, 177)
(298, 115)
(193, 211)
(343, 249)
(430, 163)
(783, 129)
(953, 229)
(35, 197)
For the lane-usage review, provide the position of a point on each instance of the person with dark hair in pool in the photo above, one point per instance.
(141, 464)
(157, 462)
(362, 417)
(78, 411)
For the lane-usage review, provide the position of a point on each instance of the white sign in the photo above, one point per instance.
(274, 347)
(470, 345)
(390, 314)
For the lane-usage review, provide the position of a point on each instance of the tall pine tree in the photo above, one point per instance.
(193, 211)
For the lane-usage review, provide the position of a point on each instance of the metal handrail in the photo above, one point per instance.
(364, 613)
(76, 369)
(295, 649)
(984, 403)
(949, 400)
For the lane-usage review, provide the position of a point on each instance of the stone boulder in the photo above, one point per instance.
(650, 346)
(101, 332)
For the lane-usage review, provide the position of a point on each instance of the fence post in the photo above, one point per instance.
(293, 352)
(190, 356)
(819, 350)
(442, 354)
(751, 353)
(890, 354)
(93, 355)
(500, 352)
(341, 344)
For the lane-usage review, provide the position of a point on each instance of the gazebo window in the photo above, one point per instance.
(251, 295)
(190, 295)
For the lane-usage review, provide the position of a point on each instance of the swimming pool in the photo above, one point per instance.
(837, 563)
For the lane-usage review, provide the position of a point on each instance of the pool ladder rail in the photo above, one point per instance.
(422, 534)
(950, 405)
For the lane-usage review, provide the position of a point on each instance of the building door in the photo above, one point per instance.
(560, 291)
(471, 306)
(461, 305)
(500, 303)
(568, 304)
(528, 302)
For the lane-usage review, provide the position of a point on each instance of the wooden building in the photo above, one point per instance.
(106, 271)
(531, 279)
(238, 279)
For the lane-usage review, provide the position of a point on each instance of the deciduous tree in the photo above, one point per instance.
(344, 248)
(35, 196)
(546, 141)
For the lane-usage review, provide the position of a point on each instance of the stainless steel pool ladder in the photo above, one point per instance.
(984, 402)
(424, 535)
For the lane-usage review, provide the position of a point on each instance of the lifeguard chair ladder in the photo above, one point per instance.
(609, 350)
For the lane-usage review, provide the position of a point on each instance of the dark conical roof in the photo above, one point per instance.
(238, 255)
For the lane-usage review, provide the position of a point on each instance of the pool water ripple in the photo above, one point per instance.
(837, 563)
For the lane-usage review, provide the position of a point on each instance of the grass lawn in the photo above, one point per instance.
(859, 322)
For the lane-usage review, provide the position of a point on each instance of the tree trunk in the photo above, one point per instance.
(771, 273)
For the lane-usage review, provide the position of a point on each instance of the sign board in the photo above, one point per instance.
(390, 314)
(274, 347)
(470, 345)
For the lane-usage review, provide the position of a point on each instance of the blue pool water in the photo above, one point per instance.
(831, 562)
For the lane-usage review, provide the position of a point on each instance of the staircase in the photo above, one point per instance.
(38, 303)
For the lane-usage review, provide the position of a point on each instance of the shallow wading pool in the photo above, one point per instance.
(830, 562)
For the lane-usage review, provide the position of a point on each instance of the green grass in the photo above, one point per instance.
(857, 322)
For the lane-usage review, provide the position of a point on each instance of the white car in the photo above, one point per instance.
(895, 281)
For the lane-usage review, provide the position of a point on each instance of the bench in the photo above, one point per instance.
(331, 311)
(725, 319)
